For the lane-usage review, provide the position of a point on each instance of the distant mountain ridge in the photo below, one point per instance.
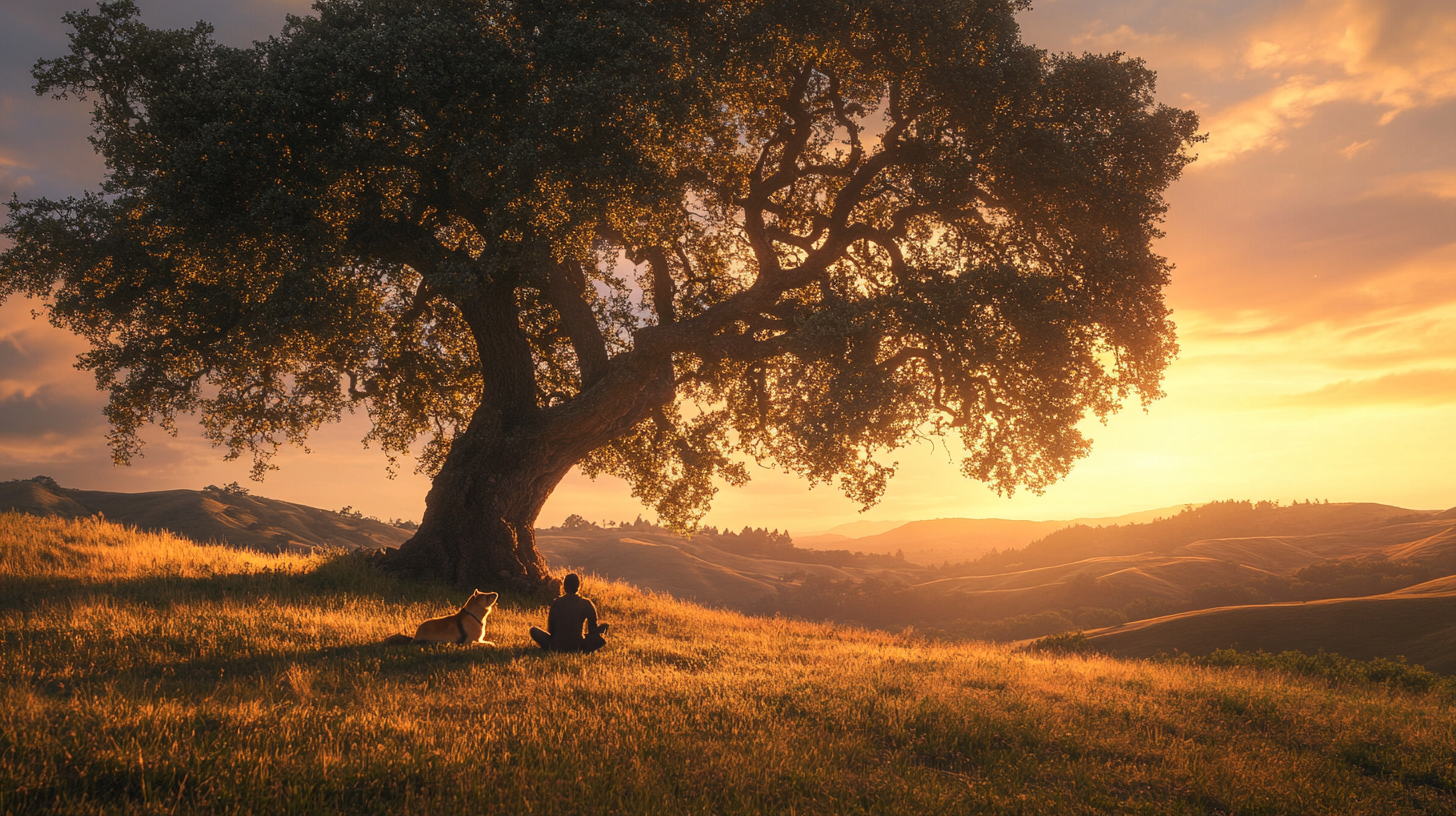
(933, 541)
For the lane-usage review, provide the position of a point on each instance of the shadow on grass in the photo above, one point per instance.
(344, 575)
(167, 666)
(234, 650)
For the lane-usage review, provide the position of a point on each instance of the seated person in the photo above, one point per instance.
(564, 622)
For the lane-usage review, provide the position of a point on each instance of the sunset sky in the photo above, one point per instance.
(1315, 291)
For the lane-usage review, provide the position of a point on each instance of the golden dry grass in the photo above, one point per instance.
(145, 674)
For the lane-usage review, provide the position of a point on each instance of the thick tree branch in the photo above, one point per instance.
(506, 366)
(565, 287)
(662, 286)
(416, 308)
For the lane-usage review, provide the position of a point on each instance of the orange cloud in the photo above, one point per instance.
(1161, 48)
(1355, 148)
(10, 179)
(1439, 183)
(1395, 56)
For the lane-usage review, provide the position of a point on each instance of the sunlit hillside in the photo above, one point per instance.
(1235, 545)
(1418, 623)
(143, 673)
(221, 514)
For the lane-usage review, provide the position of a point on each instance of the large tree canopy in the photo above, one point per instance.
(655, 239)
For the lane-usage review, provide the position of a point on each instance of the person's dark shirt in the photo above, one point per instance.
(565, 620)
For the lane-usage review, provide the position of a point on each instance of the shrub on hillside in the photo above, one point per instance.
(1065, 643)
(230, 489)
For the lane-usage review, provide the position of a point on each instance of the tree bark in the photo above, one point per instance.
(478, 530)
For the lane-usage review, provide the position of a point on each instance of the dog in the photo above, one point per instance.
(466, 627)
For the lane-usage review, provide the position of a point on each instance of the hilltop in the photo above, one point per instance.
(145, 673)
(1417, 623)
(226, 515)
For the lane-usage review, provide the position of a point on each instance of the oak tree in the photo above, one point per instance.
(650, 238)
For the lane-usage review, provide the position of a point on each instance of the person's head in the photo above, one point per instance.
(571, 583)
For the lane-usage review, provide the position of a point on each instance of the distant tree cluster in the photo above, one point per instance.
(350, 513)
(577, 522)
(230, 489)
(641, 525)
(750, 540)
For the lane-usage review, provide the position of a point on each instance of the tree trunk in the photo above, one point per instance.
(478, 531)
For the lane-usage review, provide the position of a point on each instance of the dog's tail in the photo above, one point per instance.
(400, 639)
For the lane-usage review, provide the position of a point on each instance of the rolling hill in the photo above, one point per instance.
(221, 516)
(1416, 623)
(1151, 560)
(933, 541)
(696, 570)
(1081, 577)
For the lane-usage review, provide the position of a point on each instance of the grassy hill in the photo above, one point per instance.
(142, 673)
(231, 517)
(1418, 625)
(1112, 565)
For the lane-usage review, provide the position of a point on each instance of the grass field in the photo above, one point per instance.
(144, 674)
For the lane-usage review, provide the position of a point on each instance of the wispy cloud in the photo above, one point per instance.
(1159, 48)
(1353, 149)
(12, 179)
(1423, 388)
(1439, 183)
(1392, 56)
